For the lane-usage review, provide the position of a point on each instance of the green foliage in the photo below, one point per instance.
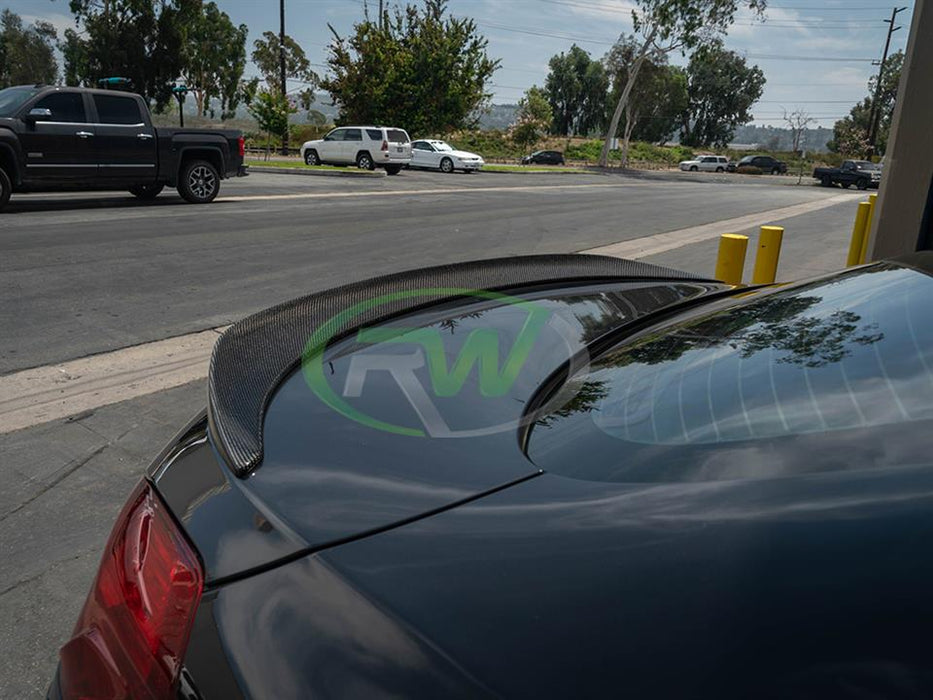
(687, 24)
(670, 25)
(589, 151)
(850, 135)
(214, 55)
(419, 70)
(267, 58)
(490, 144)
(657, 98)
(533, 119)
(138, 39)
(576, 89)
(721, 88)
(270, 110)
(27, 54)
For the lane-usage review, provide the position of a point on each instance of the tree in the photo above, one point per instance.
(658, 96)
(142, 40)
(214, 59)
(271, 110)
(722, 88)
(797, 121)
(851, 134)
(533, 119)
(669, 25)
(27, 54)
(576, 88)
(416, 68)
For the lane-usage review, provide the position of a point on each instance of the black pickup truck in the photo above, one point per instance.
(63, 138)
(861, 173)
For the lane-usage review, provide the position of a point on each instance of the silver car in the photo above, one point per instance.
(716, 164)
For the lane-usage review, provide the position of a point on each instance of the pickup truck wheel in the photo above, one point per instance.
(312, 158)
(6, 188)
(862, 184)
(199, 182)
(826, 181)
(364, 161)
(146, 191)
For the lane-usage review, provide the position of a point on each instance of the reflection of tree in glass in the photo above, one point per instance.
(810, 341)
(450, 324)
(590, 392)
(774, 321)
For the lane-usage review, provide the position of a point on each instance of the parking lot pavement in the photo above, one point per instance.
(62, 484)
(81, 274)
(813, 244)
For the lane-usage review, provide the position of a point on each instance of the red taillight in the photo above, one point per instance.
(241, 146)
(385, 145)
(132, 633)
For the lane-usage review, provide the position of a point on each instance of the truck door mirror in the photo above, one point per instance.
(38, 114)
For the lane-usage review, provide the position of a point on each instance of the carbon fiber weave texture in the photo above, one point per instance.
(254, 355)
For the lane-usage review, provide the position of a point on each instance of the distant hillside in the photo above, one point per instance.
(779, 139)
(498, 117)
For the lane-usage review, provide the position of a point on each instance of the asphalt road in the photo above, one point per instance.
(86, 273)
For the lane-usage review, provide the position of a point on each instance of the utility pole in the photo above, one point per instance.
(380, 14)
(874, 116)
(282, 74)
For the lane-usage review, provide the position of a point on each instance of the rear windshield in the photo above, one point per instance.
(397, 136)
(824, 377)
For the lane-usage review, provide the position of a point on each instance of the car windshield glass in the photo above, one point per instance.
(746, 159)
(13, 98)
(441, 146)
(866, 165)
(822, 377)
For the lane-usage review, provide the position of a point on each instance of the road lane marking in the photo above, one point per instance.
(416, 193)
(34, 396)
(660, 242)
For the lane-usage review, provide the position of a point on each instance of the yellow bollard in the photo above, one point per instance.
(859, 234)
(730, 264)
(872, 198)
(769, 251)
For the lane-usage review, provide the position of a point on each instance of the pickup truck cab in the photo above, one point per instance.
(861, 173)
(64, 138)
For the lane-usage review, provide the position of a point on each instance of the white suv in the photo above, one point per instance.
(716, 164)
(367, 146)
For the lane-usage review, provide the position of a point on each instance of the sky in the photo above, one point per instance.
(816, 56)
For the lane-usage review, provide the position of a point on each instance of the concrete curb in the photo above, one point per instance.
(349, 172)
(581, 171)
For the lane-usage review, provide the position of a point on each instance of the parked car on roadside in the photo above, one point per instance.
(368, 147)
(544, 158)
(766, 164)
(860, 173)
(440, 155)
(716, 164)
(68, 138)
(673, 488)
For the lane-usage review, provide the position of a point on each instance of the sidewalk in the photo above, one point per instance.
(814, 243)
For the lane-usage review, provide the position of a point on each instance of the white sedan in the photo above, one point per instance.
(440, 155)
